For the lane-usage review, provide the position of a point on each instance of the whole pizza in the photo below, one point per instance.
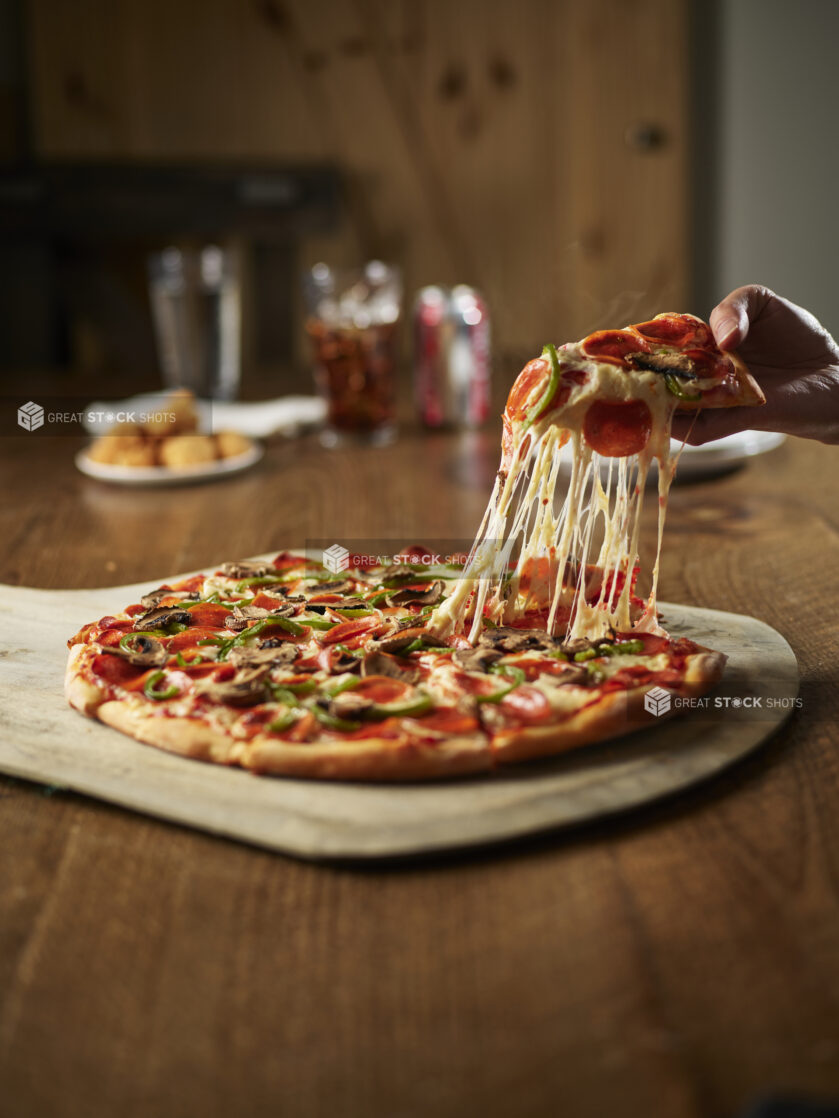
(407, 670)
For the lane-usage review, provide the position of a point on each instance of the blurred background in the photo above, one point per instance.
(582, 163)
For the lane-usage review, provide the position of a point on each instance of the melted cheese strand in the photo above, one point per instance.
(550, 570)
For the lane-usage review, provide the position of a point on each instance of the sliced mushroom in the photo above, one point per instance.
(510, 639)
(396, 641)
(152, 599)
(396, 574)
(381, 663)
(146, 653)
(247, 687)
(344, 662)
(580, 644)
(476, 659)
(347, 603)
(339, 587)
(678, 363)
(273, 654)
(247, 570)
(349, 705)
(241, 615)
(160, 618)
(574, 674)
(428, 597)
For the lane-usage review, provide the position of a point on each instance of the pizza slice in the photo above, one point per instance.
(610, 396)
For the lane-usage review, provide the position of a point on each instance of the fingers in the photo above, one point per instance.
(731, 318)
(704, 427)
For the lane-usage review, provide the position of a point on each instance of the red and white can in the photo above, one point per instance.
(451, 357)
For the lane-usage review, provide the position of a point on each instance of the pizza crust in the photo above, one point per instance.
(188, 737)
(747, 392)
(379, 759)
(375, 759)
(80, 691)
(615, 714)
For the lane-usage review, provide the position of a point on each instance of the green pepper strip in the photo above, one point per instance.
(264, 580)
(213, 640)
(410, 707)
(677, 389)
(304, 688)
(621, 648)
(352, 612)
(213, 600)
(322, 575)
(149, 690)
(329, 720)
(126, 642)
(182, 663)
(518, 678)
(345, 685)
(145, 633)
(249, 634)
(284, 721)
(550, 389)
(319, 623)
(380, 597)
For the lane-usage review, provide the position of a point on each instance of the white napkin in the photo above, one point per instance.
(287, 415)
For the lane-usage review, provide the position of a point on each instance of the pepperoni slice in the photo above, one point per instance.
(267, 601)
(613, 345)
(348, 632)
(679, 330)
(114, 669)
(382, 689)
(527, 703)
(616, 430)
(285, 561)
(191, 637)
(208, 615)
(532, 382)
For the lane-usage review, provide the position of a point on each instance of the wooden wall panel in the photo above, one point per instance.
(482, 141)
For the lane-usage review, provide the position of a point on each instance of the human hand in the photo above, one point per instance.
(794, 360)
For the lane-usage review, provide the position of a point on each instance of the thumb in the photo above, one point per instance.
(731, 318)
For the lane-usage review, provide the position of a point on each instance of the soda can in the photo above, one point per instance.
(451, 357)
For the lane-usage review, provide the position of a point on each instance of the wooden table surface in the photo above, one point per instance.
(678, 962)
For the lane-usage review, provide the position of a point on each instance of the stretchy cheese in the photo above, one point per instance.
(580, 563)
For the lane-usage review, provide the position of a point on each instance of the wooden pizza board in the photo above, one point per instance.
(42, 739)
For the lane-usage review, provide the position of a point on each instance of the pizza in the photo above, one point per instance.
(407, 670)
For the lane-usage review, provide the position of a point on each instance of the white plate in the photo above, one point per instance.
(717, 457)
(167, 475)
(724, 454)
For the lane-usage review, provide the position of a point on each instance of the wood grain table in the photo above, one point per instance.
(680, 961)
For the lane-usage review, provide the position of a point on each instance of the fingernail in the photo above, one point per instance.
(726, 328)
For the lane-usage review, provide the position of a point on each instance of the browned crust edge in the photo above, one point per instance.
(376, 759)
(612, 716)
